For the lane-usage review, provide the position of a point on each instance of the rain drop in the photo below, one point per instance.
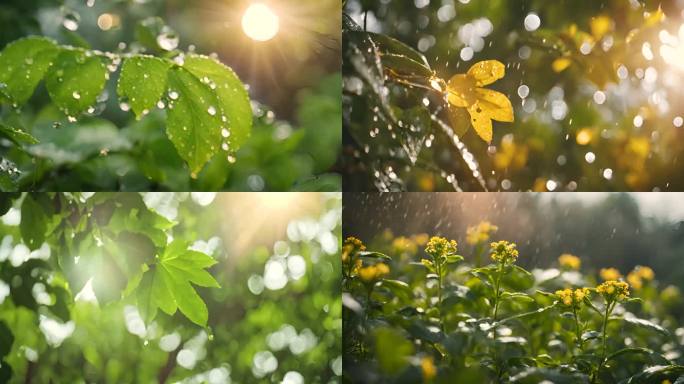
(211, 111)
(76, 95)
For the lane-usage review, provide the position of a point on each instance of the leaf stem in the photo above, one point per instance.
(497, 294)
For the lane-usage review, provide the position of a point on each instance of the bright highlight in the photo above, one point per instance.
(259, 22)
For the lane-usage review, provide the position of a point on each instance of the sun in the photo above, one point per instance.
(260, 23)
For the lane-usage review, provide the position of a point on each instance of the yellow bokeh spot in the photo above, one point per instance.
(584, 136)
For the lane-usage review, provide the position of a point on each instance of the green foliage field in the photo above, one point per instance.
(128, 287)
(416, 311)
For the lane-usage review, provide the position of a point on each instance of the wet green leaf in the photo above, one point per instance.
(23, 64)
(143, 82)
(75, 81)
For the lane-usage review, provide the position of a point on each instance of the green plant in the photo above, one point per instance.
(104, 288)
(84, 112)
(502, 323)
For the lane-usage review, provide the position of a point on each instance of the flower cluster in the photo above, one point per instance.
(612, 290)
(504, 252)
(610, 274)
(439, 247)
(403, 244)
(568, 261)
(480, 233)
(639, 275)
(373, 273)
(572, 298)
(351, 247)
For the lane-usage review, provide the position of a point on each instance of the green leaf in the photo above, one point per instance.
(145, 297)
(187, 299)
(143, 82)
(231, 94)
(161, 291)
(16, 136)
(628, 351)
(657, 372)
(167, 285)
(644, 324)
(23, 64)
(374, 255)
(75, 81)
(398, 288)
(451, 259)
(194, 120)
(33, 223)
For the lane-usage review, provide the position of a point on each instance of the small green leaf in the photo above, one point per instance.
(231, 94)
(398, 288)
(16, 136)
(374, 255)
(75, 81)
(161, 291)
(167, 284)
(147, 304)
(23, 64)
(33, 223)
(143, 82)
(189, 302)
(644, 324)
(194, 120)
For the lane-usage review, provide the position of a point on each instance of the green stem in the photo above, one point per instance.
(497, 294)
(439, 295)
(578, 332)
(605, 326)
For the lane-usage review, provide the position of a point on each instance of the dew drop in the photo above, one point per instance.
(212, 111)
(173, 95)
(76, 95)
(225, 132)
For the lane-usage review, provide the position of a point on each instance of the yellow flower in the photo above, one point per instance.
(439, 247)
(403, 244)
(480, 233)
(504, 252)
(572, 298)
(428, 368)
(483, 105)
(634, 280)
(610, 274)
(351, 246)
(640, 274)
(613, 290)
(569, 261)
(421, 239)
(645, 273)
(373, 273)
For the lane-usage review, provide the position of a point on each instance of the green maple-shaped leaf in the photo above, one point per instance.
(168, 285)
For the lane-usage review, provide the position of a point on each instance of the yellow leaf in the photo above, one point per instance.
(487, 72)
(481, 122)
(460, 121)
(600, 25)
(461, 90)
(560, 64)
(495, 104)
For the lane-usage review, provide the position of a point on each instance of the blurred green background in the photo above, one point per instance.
(595, 86)
(293, 80)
